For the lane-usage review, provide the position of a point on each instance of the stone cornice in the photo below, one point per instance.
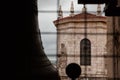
(66, 28)
(79, 21)
(80, 18)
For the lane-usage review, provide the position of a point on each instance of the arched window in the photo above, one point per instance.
(85, 52)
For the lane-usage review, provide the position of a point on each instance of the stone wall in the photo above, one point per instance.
(113, 47)
(70, 34)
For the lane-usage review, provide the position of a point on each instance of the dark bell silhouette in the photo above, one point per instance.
(41, 66)
(73, 71)
(32, 60)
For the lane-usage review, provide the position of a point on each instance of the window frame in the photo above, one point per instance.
(85, 52)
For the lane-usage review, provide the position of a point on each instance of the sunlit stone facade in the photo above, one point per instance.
(71, 30)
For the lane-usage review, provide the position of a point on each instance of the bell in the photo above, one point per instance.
(37, 65)
(41, 66)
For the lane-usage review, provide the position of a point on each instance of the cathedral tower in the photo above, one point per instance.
(71, 47)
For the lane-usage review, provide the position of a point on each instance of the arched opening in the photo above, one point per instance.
(85, 52)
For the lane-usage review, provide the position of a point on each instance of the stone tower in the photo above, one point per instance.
(74, 47)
